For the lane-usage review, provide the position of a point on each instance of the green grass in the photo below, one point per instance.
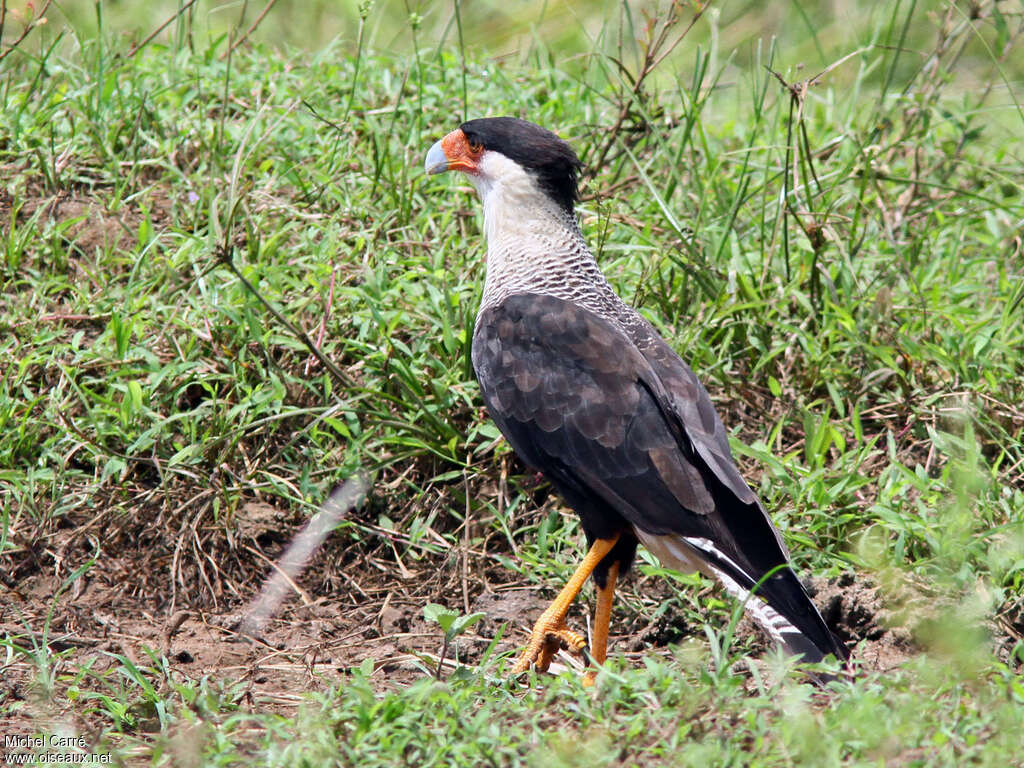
(663, 713)
(843, 268)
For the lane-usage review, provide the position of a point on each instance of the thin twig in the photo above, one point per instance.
(300, 334)
(35, 21)
(226, 249)
(136, 48)
(330, 123)
(300, 552)
(654, 54)
(252, 28)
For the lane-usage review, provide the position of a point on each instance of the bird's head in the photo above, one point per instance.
(510, 154)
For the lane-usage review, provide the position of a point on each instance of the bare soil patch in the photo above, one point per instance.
(355, 605)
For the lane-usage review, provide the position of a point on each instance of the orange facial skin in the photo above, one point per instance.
(462, 154)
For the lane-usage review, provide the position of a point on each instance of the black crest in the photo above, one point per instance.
(537, 149)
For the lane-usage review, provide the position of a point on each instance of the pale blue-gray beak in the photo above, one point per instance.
(436, 161)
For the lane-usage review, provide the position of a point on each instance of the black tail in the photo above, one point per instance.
(779, 604)
(806, 633)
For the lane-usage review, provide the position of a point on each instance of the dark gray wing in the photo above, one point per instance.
(629, 436)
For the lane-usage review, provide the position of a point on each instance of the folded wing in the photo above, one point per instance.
(628, 435)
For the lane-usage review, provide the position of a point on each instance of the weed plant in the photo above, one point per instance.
(225, 282)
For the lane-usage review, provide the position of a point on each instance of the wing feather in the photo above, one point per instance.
(570, 389)
(629, 436)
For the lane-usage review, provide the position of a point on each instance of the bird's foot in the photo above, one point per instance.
(549, 634)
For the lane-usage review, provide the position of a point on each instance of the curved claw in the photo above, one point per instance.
(544, 657)
(549, 634)
(550, 631)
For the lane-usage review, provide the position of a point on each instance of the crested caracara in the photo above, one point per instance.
(587, 392)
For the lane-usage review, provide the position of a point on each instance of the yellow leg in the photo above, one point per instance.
(602, 618)
(550, 630)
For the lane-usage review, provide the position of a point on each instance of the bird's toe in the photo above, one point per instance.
(549, 635)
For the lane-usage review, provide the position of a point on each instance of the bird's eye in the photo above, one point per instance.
(476, 146)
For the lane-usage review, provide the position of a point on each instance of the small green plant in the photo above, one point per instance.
(452, 624)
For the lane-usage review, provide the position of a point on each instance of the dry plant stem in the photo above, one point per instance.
(252, 28)
(149, 38)
(29, 26)
(300, 334)
(299, 553)
(654, 53)
(550, 630)
(225, 254)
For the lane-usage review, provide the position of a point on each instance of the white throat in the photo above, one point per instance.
(533, 244)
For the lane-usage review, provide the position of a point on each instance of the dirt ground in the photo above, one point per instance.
(370, 609)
